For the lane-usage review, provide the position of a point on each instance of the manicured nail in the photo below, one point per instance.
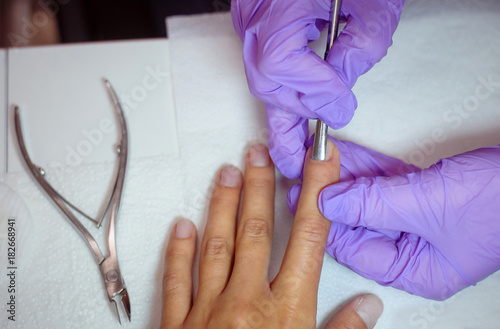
(369, 308)
(183, 229)
(258, 156)
(230, 176)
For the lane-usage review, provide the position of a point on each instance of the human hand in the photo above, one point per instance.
(292, 80)
(234, 290)
(431, 232)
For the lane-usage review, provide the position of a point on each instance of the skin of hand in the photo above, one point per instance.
(431, 232)
(234, 290)
(294, 82)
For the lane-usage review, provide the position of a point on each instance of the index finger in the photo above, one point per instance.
(301, 268)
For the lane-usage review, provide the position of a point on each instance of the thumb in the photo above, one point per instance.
(398, 203)
(360, 313)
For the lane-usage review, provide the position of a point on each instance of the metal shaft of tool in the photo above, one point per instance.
(320, 137)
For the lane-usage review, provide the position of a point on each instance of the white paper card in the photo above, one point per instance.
(66, 113)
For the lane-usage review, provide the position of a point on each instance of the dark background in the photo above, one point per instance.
(94, 20)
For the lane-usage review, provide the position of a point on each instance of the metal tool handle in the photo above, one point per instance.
(122, 151)
(320, 137)
(110, 271)
(115, 286)
(38, 174)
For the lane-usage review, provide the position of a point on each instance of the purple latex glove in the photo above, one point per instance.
(431, 232)
(292, 80)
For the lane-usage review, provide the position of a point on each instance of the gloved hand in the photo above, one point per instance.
(431, 232)
(292, 80)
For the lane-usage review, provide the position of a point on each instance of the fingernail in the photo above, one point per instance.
(258, 156)
(183, 229)
(230, 176)
(329, 149)
(370, 308)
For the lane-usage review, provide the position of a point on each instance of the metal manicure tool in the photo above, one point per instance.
(108, 265)
(320, 138)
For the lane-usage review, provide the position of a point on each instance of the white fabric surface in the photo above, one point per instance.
(59, 283)
(13, 207)
(435, 63)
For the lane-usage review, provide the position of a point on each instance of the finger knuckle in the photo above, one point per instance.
(234, 316)
(217, 247)
(314, 231)
(172, 283)
(256, 228)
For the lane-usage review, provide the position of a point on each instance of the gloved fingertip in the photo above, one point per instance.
(339, 113)
(321, 205)
(331, 203)
(290, 165)
(286, 136)
(293, 198)
(342, 117)
(288, 168)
